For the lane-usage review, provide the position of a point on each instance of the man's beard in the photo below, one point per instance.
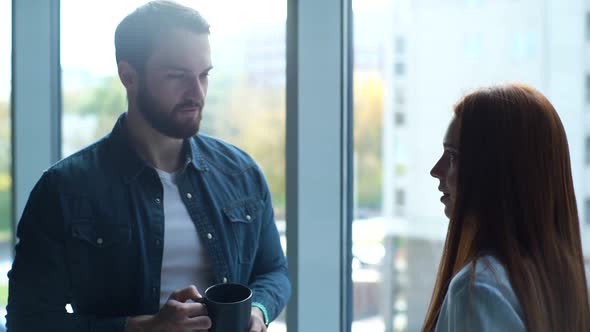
(168, 123)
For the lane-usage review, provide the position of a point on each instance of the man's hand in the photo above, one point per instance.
(257, 321)
(176, 315)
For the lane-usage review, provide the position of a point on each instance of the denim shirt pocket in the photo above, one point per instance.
(98, 250)
(244, 217)
(100, 237)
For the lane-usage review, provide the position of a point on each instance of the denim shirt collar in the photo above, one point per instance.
(131, 165)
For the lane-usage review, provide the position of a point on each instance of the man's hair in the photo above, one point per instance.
(137, 32)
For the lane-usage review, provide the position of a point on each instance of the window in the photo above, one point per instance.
(524, 45)
(400, 45)
(401, 249)
(588, 26)
(474, 46)
(473, 3)
(246, 98)
(587, 211)
(400, 119)
(399, 203)
(400, 96)
(400, 197)
(400, 69)
(5, 150)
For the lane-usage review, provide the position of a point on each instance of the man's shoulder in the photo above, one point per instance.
(82, 163)
(222, 154)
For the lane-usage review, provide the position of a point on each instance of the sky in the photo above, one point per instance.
(88, 27)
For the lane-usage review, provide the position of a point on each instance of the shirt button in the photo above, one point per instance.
(158, 242)
(158, 201)
(99, 241)
(248, 217)
(154, 289)
(209, 236)
(189, 196)
(224, 280)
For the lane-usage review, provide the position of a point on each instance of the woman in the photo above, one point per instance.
(512, 259)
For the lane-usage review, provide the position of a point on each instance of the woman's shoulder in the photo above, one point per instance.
(484, 280)
(486, 275)
(486, 271)
(480, 298)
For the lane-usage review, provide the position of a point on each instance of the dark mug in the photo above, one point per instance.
(229, 307)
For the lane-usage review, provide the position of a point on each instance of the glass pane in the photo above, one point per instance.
(246, 99)
(5, 151)
(413, 60)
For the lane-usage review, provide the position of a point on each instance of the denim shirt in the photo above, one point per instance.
(92, 235)
(480, 298)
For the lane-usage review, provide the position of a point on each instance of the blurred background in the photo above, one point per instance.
(412, 60)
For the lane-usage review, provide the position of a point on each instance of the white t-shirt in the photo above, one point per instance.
(185, 260)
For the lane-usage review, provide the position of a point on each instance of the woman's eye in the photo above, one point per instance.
(452, 157)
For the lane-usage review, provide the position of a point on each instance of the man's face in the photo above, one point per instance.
(173, 87)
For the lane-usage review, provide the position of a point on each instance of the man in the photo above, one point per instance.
(126, 230)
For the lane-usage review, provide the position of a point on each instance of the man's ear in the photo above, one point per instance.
(128, 75)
